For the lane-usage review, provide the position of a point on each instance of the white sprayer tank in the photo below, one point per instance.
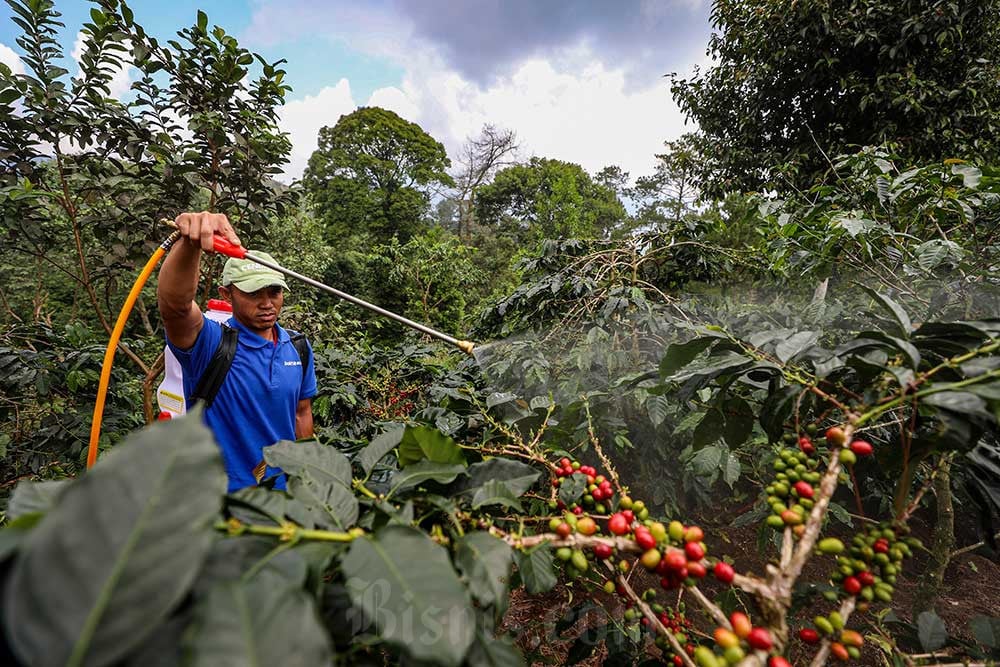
(170, 393)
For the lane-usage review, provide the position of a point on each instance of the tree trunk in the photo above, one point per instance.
(943, 542)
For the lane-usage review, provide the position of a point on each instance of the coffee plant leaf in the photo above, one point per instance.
(421, 443)
(793, 345)
(425, 471)
(931, 631)
(30, 497)
(155, 495)
(331, 505)
(900, 319)
(986, 630)
(572, 488)
(255, 504)
(485, 561)
(489, 651)
(322, 463)
(516, 476)
(495, 492)
(658, 408)
(257, 622)
(163, 647)
(535, 567)
(235, 558)
(379, 447)
(679, 355)
(406, 585)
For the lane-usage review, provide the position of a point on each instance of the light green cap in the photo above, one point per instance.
(250, 276)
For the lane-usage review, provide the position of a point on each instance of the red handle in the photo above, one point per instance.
(224, 247)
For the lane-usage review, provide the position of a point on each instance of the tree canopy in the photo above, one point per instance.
(549, 199)
(795, 82)
(372, 175)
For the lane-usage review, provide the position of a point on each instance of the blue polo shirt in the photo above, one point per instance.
(256, 404)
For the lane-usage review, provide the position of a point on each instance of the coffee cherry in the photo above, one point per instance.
(694, 534)
(741, 624)
(804, 489)
(866, 578)
(650, 559)
(694, 551)
(676, 531)
(852, 586)
(603, 551)
(563, 530)
(836, 436)
(862, 448)
(586, 526)
(847, 457)
(760, 639)
(806, 446)
(696, 570)
(831, 546)
(617, 524)
(839, 651)
(676, 559)
(725, 638)
(852, 638)
(644, 538)
(808, 635)
(778, 661)
(724, 572)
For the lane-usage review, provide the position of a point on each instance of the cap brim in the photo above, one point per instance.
(259, 282)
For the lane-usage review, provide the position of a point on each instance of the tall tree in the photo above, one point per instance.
(794, 80)
(549, 199)
(665, 197)
(372, 176)
(481, 157)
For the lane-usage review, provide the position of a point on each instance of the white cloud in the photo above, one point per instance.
(568, 110)
(9, 58)
(121, 80)
(302, 119)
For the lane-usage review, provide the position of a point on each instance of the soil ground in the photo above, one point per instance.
(971, 588)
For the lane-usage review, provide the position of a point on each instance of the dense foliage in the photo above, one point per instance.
(793, 83)
(818, 367)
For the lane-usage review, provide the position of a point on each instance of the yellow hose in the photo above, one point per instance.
(116, 334)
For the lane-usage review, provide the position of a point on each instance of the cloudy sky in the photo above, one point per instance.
(578, 80)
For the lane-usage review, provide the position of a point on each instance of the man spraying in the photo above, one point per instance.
(266, 394)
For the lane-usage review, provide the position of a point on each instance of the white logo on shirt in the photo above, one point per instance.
(293, 363)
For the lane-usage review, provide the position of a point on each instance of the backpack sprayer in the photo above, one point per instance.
(224, 247)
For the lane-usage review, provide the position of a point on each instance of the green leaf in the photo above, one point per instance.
(379, 447)
(679, 355)
(495, 492)
(331, 505)
(517, 476)
(139, 525)
(494, 652)
(30, 497)
(485, 561)
(405, 584)
(730, 469)
(707, 462)
(423, 442)
(322, 463)
(794, 344)
(709, 429)
(931, 631)
(425, 471)
(970, 175)
(958, 401)
(571, 488)
(202, 21)
(536, 569)
(986, 630)
(904, 326)
(658, 407)
(739, 421)
(258, 622)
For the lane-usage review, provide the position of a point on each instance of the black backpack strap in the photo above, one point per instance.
(215, 373)
(302, 347)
